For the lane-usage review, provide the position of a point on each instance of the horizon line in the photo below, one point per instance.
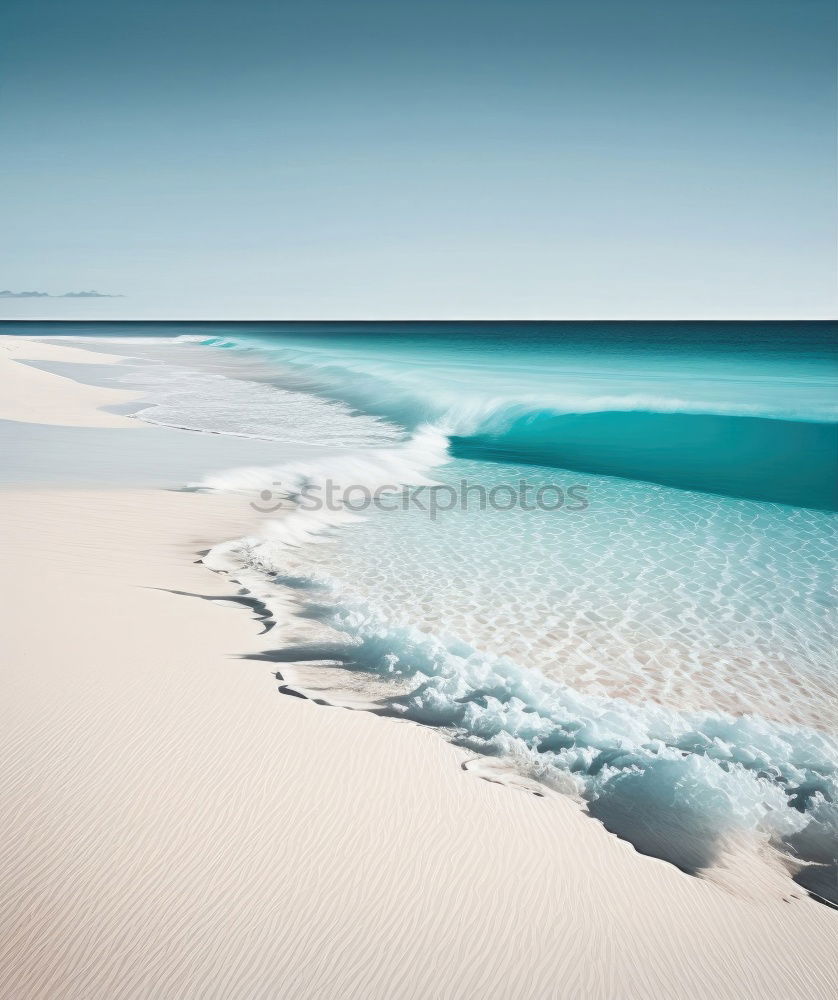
(502, 319)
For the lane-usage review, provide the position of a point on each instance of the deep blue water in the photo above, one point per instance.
(665, 653)
(743, 409)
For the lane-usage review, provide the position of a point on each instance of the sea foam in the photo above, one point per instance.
(701, 422)
(678, 785)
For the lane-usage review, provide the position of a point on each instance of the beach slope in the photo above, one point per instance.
(173, 827)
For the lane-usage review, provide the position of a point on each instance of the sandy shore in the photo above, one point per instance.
(33, 396)
(175, 828)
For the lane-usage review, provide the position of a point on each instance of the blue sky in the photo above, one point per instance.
(466, 158)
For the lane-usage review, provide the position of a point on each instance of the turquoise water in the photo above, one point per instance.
(665, 648)
(727, 408)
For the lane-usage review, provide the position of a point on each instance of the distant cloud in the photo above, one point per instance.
(92, 294)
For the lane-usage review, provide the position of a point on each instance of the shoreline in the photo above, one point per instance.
(175, 828)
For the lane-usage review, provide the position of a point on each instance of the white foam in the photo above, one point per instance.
(694, 778)
(369, 468)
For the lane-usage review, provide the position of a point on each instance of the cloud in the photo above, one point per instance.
(92, 294)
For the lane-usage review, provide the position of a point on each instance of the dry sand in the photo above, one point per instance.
(175, 828)
(33, 396)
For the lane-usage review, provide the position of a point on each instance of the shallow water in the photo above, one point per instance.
(662, 649)
(690, 600)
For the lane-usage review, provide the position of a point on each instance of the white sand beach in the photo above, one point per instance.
(173, 827)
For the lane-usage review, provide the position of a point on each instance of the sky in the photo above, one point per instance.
(385, 159)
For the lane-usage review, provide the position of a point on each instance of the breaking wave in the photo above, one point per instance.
(774, 438)
(676, 784)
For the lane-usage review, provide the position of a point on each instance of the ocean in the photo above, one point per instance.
(604, 553)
